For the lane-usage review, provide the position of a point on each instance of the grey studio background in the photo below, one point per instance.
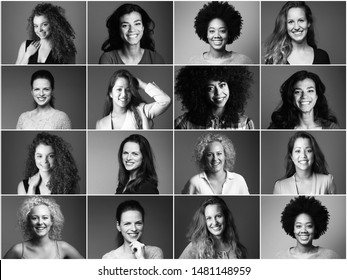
(103, 164)
(252, 106)
(159, 11)
(74, 231)
(98, 81)
(15, 151)
(274, 149)
(102, 231)
(329, 21)
(245, 211)
(188, 44)
(246, 144)
(333, 77)
(69, 93)
(16, 13)
(275, 239)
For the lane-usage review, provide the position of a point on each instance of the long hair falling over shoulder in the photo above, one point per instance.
(64, 175)
(62, 33)
(145, 173)
(278, 46)
(287, 115)
(204, 241)
(115, 41)
(319, 164)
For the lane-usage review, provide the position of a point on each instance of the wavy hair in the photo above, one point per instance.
(208, 138)
(44, 74)
(279, 46)
(221, 10)
(191, 89)
(146, 172)
(64, 175)
(62, 33)
(24, 211)
(115, 41)
(319, 163)
(203, 240)
(307, 205)
(287, 114)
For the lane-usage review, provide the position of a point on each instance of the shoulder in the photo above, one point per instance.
(182, 122)
(237, 184)
(104, 123)
(61, 115)
(154, 252)
(68, 251)
(21, 188)
(283, 254)
(328, 178)
(197, 59)
(111, 255)
(321, 57)
(330, 125)
(245, 122)
(148, 187)
(188, 252)
(110, 57)
(325, 253)
(153, 56)
(284, 186)
(15, 252)
(194, 184)
(238, 58)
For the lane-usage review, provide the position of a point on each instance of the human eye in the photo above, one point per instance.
(51, 156)
(297, 92)
(210, 88)
(290, 21)
(124, 25)
(223, 84)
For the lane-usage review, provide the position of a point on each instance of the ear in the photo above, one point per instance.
(111, 94)
(118, 227)
(309, 25)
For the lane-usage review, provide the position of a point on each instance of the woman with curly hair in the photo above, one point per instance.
(293, 40)
(50, 167)
(304, 105)
(305, 219)
(130, 217)
(125, 108)
(214, 97)
(306, 168)
(213, 233)
(130, 38)
(41, 222)
(215, 156)
(219, 24)
(44, 116)
(136, 173)
(51, 37)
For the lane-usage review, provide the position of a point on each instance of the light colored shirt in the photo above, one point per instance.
(234, 58)
(151, 252)
(54, 119)
(322, 253)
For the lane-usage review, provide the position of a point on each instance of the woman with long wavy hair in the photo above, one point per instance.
(51, 37)
(213, 233)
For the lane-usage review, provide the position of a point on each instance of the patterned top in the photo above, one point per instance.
(54, 119)
(151, 252)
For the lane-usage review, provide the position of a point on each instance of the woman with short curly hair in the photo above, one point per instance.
(215, 156)
(213, 233)
(219, 24)
(51, 37)
(41, 222)
(50, 167)
(305, 219)
(214, 97)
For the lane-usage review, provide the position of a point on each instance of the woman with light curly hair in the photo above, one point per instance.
(51, 37)
(41, 222)
(304, 218)
(215, 156)
(219, 24)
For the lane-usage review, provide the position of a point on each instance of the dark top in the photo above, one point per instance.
(320, 57)
(149, 57)
(26, 186)
(146, 187)
(33, 58)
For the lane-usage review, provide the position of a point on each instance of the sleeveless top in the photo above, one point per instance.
(26, 186)
(34, 57)
(57, 255)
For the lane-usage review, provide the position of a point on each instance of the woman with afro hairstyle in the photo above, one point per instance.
(136, 173)
(50, 167)
(305, 219)
(304, 105)
(51, 37)
(130, 38)
(213, 233)
(219, 24)
(215, 156)
(306, 168)
(41, 222)
(293, 40)
(214, 97)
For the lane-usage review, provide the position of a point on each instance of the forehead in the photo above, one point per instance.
(44, 149)
(306, 83)
(296, 12)
(303, 218)
(216, 23)
(131, 17)
(40, 210)
(132, 146)
(302, 142)
(41, 82)
(121, 81)
(214, 146)
(131, 215)
(212, 209)
(39, 19)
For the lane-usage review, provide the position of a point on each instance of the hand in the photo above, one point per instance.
(142, 84)
(32, 48)
(33, 183)
(138, 249)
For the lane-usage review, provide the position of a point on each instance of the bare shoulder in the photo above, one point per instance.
(20, 188)
(68, 251)
(15, 252)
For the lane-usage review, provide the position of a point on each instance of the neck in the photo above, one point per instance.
(217, 111)
(303, 174)
(307, 120)
(297, 46)
(40, 241)
(45, 42)
(43, 109)
(213, 53)
(118, 110)
(304, 249)
(126, 248)
(45, 176)
(132, 51)
(221, 174)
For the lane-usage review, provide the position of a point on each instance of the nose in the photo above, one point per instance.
(133, 227)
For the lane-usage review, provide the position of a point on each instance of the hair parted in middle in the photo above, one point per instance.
(44, 74)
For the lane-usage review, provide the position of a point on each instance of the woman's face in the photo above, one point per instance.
(132, 156)
(42, 27)
(44, 158)
(40, 220)
(305, 95)
(302, 154)
(217, 93)
(121, 93)
(131, 225)
(42, 92)
(217, 34)
(214, 157)
(297, 24)
(131, 28)
(215, 220)
(304, 229)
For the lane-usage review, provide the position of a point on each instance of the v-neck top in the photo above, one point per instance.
(34, 57)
